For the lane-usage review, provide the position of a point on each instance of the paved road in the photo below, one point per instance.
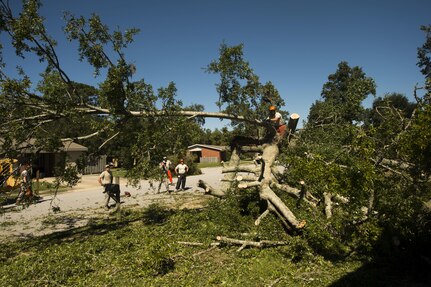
(81, 203)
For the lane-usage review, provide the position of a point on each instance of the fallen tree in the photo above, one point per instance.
(260, 176)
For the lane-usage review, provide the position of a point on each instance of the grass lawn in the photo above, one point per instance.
(162, 247)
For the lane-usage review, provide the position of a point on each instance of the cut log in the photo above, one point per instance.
(244, 185)
(232, 164)
(269, 195)
(246, 178)
(210, 190)
(293, 122)
(262, 216)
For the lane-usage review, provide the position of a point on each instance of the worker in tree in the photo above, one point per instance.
(277, 121)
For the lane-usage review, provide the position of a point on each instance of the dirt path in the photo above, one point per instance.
(84, 202)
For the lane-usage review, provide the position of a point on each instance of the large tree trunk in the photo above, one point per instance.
(232, 164)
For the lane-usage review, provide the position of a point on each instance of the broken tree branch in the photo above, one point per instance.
(210, 190)
(246, 243)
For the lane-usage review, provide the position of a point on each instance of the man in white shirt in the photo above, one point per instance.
(180, 170)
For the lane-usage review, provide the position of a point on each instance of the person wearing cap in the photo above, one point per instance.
(168, 164)
(105, 180)
(277, 121)
(180, 170)
(165, 173)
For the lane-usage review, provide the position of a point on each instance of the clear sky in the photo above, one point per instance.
(293, 44)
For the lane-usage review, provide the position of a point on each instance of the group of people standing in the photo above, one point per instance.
(113, 190)
(166, 176)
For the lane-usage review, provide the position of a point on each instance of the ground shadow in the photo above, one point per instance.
(400, 271)
(99, 226)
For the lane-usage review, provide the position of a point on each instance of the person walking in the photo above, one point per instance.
(105, 180)
(25, 187)
(180, 170)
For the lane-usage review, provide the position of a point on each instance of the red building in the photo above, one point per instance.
(208, 153)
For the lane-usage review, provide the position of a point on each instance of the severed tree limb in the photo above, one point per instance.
(233, 163)
(246, 243)
(297, 193)
(281, 208)
(210, 190)
(262, 216)
(190, 243)
(106, 141)
(283, 220)
(246, 178)
(240, 168)
(244, 185)
(328, 200)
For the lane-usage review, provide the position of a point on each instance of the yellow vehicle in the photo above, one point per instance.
(8, 179)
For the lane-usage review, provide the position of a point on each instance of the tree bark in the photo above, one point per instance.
(298, 194)
(267, 194)
(233, 169)
(210, 190)
(246, 178)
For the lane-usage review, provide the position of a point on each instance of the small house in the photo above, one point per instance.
(208, 153)
(43, 162)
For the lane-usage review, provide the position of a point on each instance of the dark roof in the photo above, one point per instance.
(68, 146)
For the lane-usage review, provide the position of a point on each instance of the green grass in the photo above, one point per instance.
(142, 248)
(121, 172)
(208, 164)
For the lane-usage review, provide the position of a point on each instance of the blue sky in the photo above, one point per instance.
(293, 44)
